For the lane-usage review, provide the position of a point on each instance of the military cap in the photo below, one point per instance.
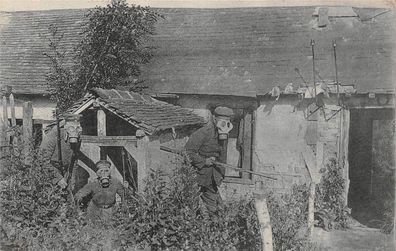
(103, 164)
(223, 111)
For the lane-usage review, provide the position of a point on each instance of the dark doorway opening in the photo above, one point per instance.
(372, 166)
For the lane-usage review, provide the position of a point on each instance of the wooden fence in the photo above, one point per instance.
(13, 136)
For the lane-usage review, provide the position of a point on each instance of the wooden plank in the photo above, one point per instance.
(345, 151)
(247, 145)
(27, 131)
(12, 106)
(13, 119)
(101, 122)
(311, 209)
(2, 128)
(310, 162)
(5, 112)
(101, 126)
(263, 216)
(84, 106)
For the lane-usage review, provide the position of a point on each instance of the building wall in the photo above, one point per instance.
(281, 134)
(279, 140)
(284, 134)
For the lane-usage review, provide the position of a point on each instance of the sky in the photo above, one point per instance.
(19, 5)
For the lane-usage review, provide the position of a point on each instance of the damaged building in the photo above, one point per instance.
(259, 62)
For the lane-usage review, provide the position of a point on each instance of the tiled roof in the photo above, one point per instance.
(141, 111)
(244, 51)
(24, 38)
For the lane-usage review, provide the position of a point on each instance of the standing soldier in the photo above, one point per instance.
(59, 161)
(204, 147)
(103, 191)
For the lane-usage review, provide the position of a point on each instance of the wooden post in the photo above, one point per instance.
(101, 125)
(27, 131)
(263, 216)
(311, 209)
(247, 144)
(2, 137)
(13, 119)
(12, 106)
(5, 111)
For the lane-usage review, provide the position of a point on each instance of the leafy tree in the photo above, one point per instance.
(113, 46)
(64, 89)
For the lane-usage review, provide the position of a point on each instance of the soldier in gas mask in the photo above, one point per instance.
(57, 150)
(203, 149)
(103, 191)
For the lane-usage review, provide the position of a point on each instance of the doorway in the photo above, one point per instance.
(371, 166)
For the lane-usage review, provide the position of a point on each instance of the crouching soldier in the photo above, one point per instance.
(103, 191)
(57, 150)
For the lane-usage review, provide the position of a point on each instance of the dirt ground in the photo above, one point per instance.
(356, 238)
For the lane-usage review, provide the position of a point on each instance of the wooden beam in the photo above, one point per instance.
(84, 106)
(101, 122)
(109, 140)
(263, 216)
(311, 209)
(5, 112)
(101, 125)
(12, 106)
(247, 145)
(27, 131)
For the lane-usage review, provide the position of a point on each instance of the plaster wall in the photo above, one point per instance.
(283, 133)
(279, 141)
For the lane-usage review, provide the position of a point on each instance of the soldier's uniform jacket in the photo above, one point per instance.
(102, 197)
(49, 152)
(203, 144)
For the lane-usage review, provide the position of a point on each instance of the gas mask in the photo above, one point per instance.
(104, 176)
(73, 128)
(224, 126)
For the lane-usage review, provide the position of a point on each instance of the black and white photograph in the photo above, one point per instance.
(144, 125)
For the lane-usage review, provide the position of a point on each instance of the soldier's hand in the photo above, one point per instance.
(125, 184)
(62, 183)
(210, 161)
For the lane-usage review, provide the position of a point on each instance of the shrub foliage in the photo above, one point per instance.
(113, 46)
(330, 200)
(165, 216)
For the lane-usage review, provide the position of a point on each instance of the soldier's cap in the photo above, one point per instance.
(103, 164)
(223, 111)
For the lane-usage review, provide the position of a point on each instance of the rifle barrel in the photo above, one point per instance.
(262, 174)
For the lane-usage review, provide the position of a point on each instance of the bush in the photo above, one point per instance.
(330, 200)
(288, 214)
(165, 216)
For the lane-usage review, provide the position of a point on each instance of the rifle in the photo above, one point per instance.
(265, 175)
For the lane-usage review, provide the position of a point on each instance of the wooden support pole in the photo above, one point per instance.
(101, 125)
(12, 106)
(263, 216)
(27, 131)
(311, 209)
(13, 119)
(6, 124)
